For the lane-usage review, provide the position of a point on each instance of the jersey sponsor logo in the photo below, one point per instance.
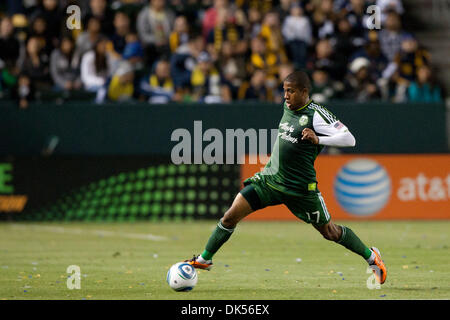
(286, 134)
(362, 187)
(287, 137)
(286, 127)
(303, 120)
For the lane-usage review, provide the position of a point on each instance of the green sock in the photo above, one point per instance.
(351, 241)
(219, 236)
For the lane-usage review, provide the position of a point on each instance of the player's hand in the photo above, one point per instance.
(308, 134)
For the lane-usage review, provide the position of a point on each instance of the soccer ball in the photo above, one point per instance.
(182, 277)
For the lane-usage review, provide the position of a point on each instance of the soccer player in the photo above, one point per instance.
(290, 178)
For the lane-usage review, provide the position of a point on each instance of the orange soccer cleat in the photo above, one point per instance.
(198, 265)
(381, 273)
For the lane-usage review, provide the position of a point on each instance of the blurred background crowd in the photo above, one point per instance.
(211, 51)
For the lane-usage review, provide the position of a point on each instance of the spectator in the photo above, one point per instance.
(322, 87)
(327, 8)
(180, 33)
(134, 54)
(424, 89)
(262, 59)
(159, 87)
(391, 35)
(380, 68)
(357, 16)
(297, 34)
(344, 45)
(36, 64)
(254, 22)
(230, 85)
(97, 66)
(39, 29)
(21, 26)
(262, 6)
(99, 9)
(226, 29)
(232, 67)
(271, 33)
(239, 18)
(49, 11)
(372, 51)
(154, 25)
(87, 39)
(205, 80)
(284, 8)
(324, 58)
(406, 62)
(322, 19)
(16, 7)
(24, 91)
(209, 19)
(121, 87)
(340, 6)
(64, 66)
(8, 79)
(410, 58)
(255, 89)
(389, 5)
(183, 61)
(133, 51)
(191, 9)
(121, 30)
(10, 45)
(360, 86)
(284, 70)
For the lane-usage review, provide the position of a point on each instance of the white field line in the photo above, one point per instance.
(77, 231)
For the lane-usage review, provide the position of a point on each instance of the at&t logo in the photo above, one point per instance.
(362, 187)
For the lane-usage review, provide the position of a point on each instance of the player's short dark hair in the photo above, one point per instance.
(300, 79)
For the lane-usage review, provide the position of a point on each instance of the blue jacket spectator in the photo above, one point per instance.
(372, 51)
(184, 60)
(158, 87)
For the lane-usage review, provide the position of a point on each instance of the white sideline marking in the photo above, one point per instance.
(104, 233)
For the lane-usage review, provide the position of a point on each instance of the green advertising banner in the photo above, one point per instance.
(114, 189)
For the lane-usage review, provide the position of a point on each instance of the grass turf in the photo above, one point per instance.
(260, 261)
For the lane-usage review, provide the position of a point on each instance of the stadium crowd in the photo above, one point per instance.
(210, 51)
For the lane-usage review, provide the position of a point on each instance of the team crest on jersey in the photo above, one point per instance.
(303, 120)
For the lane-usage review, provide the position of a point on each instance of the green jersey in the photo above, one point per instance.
(291, 165)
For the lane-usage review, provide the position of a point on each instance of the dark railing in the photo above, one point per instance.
(85, 128)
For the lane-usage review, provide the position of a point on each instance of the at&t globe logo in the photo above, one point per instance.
(362, 187)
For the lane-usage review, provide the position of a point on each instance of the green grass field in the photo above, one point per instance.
(261, 261)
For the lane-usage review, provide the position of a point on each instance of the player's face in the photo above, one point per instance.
(294, 96)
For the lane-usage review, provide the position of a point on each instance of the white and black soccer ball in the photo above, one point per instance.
(182, 277)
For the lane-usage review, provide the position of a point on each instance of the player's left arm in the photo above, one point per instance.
(335, 133)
